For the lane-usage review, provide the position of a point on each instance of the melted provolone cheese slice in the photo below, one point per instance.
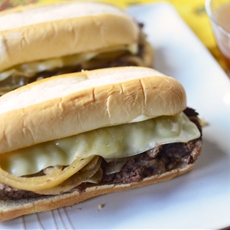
(110, 142)
(30, 69)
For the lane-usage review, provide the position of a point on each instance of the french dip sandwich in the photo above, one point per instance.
(40, 41)
(72, 137)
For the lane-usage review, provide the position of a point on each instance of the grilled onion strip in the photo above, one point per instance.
(51, 180)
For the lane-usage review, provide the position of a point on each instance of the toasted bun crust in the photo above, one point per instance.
(13, 209)
(74, 103)
(53, 30)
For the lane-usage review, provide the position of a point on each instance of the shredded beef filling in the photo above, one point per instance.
(155, 161)
(146, 164)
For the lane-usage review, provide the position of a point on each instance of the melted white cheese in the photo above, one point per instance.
(111, 142)
(30, 69)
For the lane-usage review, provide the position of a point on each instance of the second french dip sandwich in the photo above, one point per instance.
(69, 138)
(40, 41)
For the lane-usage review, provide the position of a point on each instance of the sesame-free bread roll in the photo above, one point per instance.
(37, 32)
(76, 136)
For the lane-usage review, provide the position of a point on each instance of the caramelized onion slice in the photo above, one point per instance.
(82, 176)
(51, 180)
(96, 178)
(115, 166)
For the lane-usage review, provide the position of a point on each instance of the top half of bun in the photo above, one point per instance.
(74, 103)
(40, 32)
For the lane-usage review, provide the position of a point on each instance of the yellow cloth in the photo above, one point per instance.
(192, 11)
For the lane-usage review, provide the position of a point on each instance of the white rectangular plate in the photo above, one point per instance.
(198, 199)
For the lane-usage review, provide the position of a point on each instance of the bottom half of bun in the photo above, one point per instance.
(12, 209)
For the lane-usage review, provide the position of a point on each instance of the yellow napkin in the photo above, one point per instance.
(192, 11)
